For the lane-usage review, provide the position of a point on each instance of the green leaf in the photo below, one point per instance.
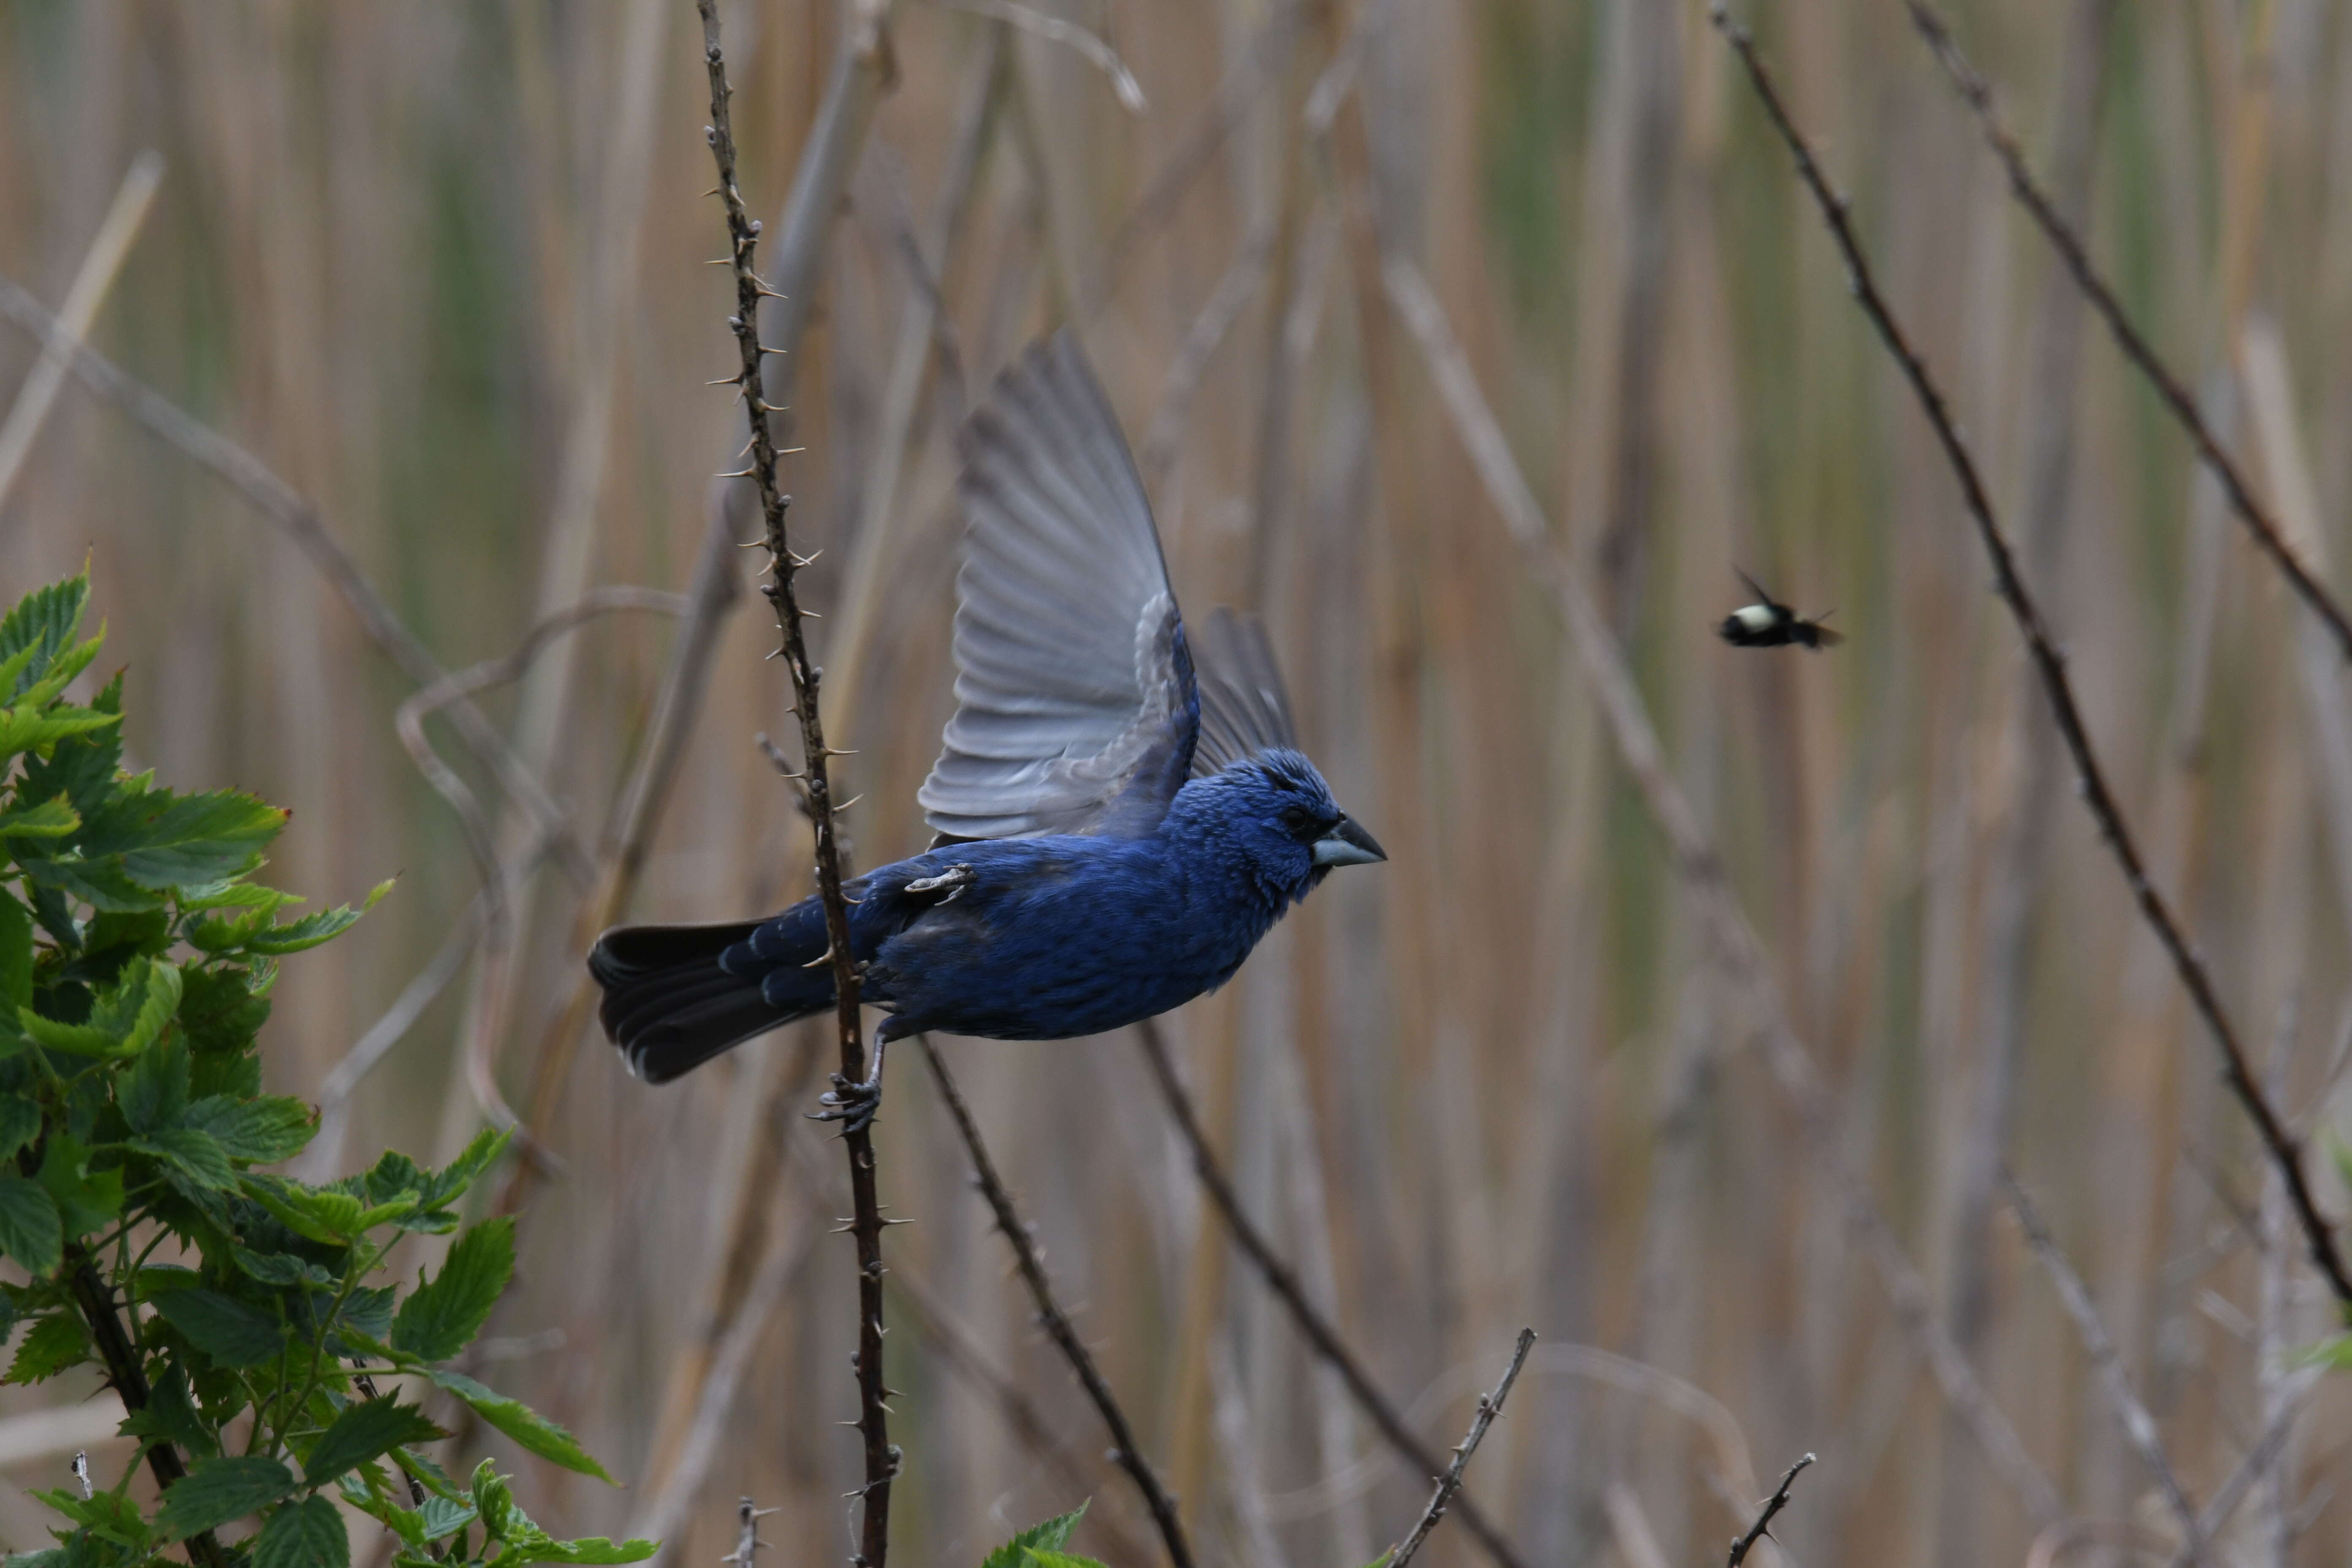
(363, 1431)
(197, 1156)
(16, 953)
(167, 840)
(20, 1122)
(50, 819)
(263, 1131)
(156, 1093)
(110, 1516)
(220, 1491)
(87, 1199)
(222, 1009)
(1034, 1558)
(170, 1415)
(24, 727)
(83, 768)
(43, 621)
(1050, 1536)
(311, 930)
(61, 671)
(101, 884)
(314, 1212)
(127, 1018)
(54, 1343)
(232, 1333)
(519, 1421)
(280, 1268)
(306, 1535)
(2335, 1352)
(30, 1230)
(446, 1516)
(440, 1319)
(540, 1548)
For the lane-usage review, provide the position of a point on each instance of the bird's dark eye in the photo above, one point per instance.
(1296, 818)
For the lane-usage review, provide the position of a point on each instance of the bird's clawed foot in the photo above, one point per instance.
(851, 1104)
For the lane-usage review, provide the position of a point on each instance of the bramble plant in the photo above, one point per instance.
(231, 1309)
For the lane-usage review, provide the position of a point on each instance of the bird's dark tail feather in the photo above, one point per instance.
(670, 1008)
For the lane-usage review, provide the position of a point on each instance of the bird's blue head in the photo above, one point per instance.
(1274, 810)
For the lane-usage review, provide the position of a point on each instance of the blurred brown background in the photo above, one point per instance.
(441, 267)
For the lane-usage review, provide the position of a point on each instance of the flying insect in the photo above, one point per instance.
(1767, 623)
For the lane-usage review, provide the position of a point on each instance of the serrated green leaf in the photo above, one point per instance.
(170, 1415)
(127, 1018)
(221, 1009)
(232, 1332)
(363, 1431)
(52, 818)
(230, 894)
(30, 1230)
(220, 1491)
(305, 1534)
(280, 1268)
(20, 1122)
(167, 840)
(67, 663)
(156, 1093)
(295, 936)
(42, 622)
(197, 1156)
(525, 1426)
(22, 728)
(314, 1212)
(101, 884)
(1034, 1558)
(441, 1318)
(262, 1131)
(1051, 1536)
(86, 1198)
(494, 1502)
(443, 1516)
(110, 1516)
(454, 1178)
(53, 1343)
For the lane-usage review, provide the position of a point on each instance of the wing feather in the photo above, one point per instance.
(1244, 708)
(1076, 707)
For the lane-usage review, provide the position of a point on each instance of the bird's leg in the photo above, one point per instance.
(853, 1104)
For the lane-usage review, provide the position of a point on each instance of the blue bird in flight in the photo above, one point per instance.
(1121, 806)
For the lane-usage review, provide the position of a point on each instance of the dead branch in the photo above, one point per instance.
(1490, 1405)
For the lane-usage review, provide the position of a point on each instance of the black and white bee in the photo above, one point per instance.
(1767, 623)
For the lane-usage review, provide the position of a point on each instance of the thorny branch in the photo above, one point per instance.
(1489, 1407)
(2269, 537)
(866, 1225)
(2051, 665)
(1743, 1545)
(1057, 1323)
(1280, 1277)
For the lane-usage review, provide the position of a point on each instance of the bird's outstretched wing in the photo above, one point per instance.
(1244, 709)
(1076, 707)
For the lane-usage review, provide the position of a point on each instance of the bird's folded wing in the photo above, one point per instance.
(1076, 708)
(1244, 709)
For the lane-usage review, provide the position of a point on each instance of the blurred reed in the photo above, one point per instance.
(441, 270)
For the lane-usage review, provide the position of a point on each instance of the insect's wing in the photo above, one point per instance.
(1075, 708)
(1244, 709)
(1762, 597)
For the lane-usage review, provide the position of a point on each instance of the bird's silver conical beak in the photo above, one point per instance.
(1348, 845)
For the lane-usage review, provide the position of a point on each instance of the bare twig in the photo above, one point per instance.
(2051, 665)
(2173, 394)
(1489, 1407)
(1054, 29)
(2139, 1426)
(1056, 1322)
(1284, 1281)
(125, 215)
(1743, 1545)
(298, 520)
(866, 1225)
(1700, 870)
(748, 1516)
